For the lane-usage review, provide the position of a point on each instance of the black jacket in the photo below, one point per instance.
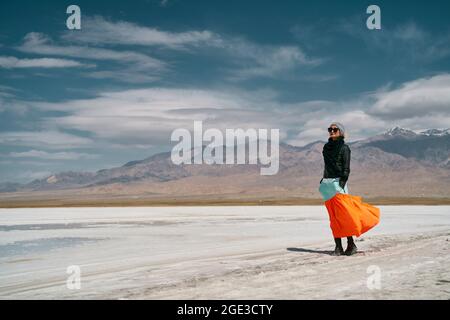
(339, 167)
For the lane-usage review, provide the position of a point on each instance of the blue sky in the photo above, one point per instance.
(113, 91)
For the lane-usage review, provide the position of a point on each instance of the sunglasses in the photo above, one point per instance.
(333, 130)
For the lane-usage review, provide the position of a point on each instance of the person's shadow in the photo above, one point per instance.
(328, 252)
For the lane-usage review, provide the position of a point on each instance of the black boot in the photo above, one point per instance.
(338, 250)
(351, 247)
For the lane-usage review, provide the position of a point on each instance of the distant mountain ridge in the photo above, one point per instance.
(431, 145)
(407, 162)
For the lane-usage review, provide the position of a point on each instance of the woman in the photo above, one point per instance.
(349, 216)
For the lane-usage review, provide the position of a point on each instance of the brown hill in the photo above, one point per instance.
(398, 163)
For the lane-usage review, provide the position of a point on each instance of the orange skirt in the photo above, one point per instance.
(349, 216)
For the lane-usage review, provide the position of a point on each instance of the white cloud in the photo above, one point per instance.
(255, 60)
(148, 116)
(52, 156)
(5, 93)
(99, 31)
(130, 75)
(409, 41)
(46, 139)
(243, 59)
(409, 32)
(249, 59)
(13, 62)
(418, 105)
(38, 43)
(131, 66)
(29, 175)
(413, 99)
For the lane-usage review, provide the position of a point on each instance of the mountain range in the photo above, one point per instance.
(396, 163)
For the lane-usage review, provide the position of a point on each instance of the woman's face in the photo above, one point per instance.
(333, 132)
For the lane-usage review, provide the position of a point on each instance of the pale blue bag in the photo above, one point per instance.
(330, 186)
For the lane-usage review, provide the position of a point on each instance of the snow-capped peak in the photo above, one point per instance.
(398, 131)
(436, 132)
